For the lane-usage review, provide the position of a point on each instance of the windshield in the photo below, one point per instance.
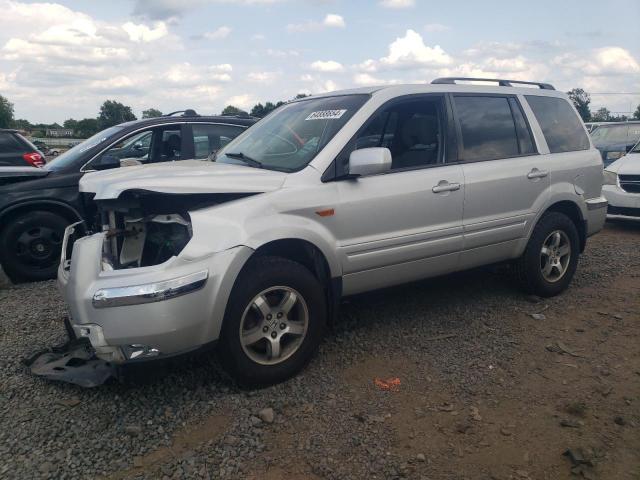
(636, 149)
(609, 134)
(69, 157)
(288, 139)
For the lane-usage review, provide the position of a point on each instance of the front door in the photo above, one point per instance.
(405, 224)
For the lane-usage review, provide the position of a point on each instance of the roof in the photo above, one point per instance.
(228, 119)
(409, 88)
(9, 130)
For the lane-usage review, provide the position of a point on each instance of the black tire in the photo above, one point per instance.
(259, 275)
(30, 246)
(528, 267)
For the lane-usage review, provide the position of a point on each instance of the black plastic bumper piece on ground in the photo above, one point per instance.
(72, 362)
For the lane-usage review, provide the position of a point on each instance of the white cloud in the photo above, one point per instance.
(410, 51)
(244, 101)
(365, 79)
(331, 20)
(262, 77)
(326, 66)
(218, 33)
(282, 53)
(436, 28)
(223, 67)
(607, 61)
(397, 3)
(143, 33)
(173, 9)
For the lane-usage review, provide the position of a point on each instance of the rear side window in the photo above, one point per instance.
(209, 138)
(492, 128)
(560, 124)
(10, 144)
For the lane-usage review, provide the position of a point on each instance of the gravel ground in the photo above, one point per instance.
(486, 390)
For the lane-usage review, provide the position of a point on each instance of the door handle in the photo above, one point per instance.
(535, 173)
(444, 186)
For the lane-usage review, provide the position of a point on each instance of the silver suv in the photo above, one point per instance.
(330, 196)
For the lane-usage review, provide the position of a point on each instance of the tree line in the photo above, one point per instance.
(582, 101)
(111, 113)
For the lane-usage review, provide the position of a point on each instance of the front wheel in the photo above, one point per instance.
(274, 321)
(551, 257)
(30, 246)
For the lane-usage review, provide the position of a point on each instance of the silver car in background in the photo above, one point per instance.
(330, 196)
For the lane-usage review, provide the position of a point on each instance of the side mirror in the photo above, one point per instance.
(106, 162)
(369, 161)
(137, 146)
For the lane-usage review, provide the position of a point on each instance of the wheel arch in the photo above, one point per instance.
(571, 209)
(311, 257)
(59, 208)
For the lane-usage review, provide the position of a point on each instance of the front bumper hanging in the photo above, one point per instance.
(74, 362)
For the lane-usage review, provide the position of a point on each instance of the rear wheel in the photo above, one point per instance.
(30, 246)
(551, 257)
(274, 322)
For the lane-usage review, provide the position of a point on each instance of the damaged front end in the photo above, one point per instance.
(126, 290)
(144, 229)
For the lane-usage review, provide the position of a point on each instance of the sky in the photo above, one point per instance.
(62, 60)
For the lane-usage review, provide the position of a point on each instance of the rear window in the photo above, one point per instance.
(9, 143)
(492, 128)
(560, 124)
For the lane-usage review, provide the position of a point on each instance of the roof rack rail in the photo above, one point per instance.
(189, 112)
(501, 82)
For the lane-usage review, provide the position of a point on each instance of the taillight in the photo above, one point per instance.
(34, 159)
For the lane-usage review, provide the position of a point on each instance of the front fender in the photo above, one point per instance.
(215, 233)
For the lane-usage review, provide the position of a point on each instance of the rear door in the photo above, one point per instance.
(506, 180)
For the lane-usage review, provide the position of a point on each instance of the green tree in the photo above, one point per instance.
(87, 127)
(602, 115)
(22, 124)
(71, 123)
(231, 110)
(301, 95)
(636, 114)
(112, 113)
(581, 100)
(6, 113)
(151, 113)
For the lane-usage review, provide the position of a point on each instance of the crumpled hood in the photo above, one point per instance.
(186, 176)
(627, 165)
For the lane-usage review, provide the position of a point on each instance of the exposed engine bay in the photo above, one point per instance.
(147, 228)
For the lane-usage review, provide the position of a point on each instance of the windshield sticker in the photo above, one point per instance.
(326, 115)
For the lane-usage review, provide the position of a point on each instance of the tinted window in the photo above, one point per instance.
(525, 142)
(208, 139)
(410, 130)
(560, 124)
(9, 144)
(487, 127)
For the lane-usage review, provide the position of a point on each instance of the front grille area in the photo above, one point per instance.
(627, 212)
(630, 183)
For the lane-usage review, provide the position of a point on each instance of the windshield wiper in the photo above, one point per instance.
(246, 159)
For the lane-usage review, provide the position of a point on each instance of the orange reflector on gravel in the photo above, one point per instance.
(389, 384)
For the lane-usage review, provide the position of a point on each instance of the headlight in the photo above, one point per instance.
(614, 155)
(610, 178)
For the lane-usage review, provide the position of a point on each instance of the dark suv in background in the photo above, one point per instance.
(37, 204)
(615, 140)
(17, 151)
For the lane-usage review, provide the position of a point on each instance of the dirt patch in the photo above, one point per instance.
(184, 442)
